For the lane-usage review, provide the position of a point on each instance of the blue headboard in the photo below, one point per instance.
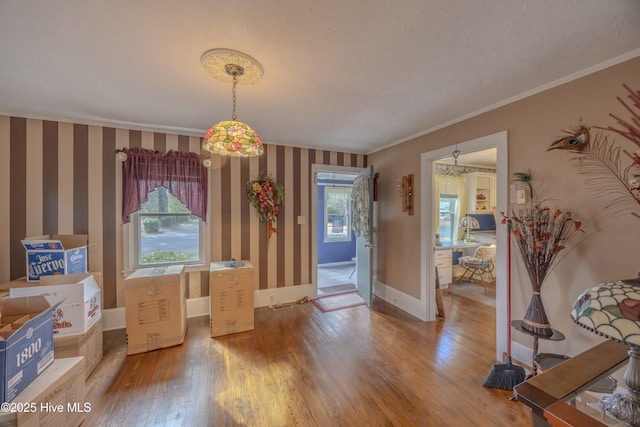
(487, 222)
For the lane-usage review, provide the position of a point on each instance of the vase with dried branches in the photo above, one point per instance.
(541, 234)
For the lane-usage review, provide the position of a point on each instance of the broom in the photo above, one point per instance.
(506, 375)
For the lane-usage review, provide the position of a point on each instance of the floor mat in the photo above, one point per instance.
(338, 302)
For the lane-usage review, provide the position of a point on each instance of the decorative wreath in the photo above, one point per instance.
(266, 196)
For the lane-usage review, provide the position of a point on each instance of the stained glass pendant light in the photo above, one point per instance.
(232, 137)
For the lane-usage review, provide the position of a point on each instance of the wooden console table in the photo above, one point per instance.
(549, 393)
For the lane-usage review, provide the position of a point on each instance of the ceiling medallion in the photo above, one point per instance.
(216, 60)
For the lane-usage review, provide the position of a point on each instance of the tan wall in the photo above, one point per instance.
(610, 250)
(63, 178)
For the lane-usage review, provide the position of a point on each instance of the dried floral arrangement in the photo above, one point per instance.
(541, 235)
(600, 159)
(266, 196)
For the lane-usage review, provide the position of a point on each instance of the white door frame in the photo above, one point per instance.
(427, 206)
(315, 168)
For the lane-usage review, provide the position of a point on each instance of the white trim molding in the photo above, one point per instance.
(403, 301)
(115, 318)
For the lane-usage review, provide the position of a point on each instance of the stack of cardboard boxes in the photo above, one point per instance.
(51, 328)
(77, 314)
(52, 313)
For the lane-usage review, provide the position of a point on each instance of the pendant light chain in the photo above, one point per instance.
(233, 91)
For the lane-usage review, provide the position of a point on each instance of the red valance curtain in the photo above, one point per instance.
(180, 172)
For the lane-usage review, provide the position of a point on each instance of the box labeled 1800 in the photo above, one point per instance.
(26, 343)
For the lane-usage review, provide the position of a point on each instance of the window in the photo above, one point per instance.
(337, 214)
(166, 232)
(164, 201)
(448, 205)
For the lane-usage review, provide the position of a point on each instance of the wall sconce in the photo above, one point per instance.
(407, 194)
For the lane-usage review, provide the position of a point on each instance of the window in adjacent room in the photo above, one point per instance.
(337, 214)
(166, 232)
(447, 223)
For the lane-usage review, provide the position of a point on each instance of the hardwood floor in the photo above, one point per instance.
(302, 367)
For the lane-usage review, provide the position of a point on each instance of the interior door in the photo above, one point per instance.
(362, 196)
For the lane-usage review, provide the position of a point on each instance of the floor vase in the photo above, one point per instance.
(535, 319)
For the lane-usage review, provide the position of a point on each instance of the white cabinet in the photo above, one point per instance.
(443, 262)
(480, 192)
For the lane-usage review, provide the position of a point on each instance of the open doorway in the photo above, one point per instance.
(466, 244)
(430, 205)
(335, 243)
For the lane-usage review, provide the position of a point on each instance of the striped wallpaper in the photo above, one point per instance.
(63, 178)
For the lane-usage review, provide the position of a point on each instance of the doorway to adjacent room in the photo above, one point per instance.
(336, 244)
(429, 204)
(466, 194)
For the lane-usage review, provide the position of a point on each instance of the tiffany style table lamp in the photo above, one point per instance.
(613, 311)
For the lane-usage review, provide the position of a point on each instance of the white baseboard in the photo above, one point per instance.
(198, 307)
(115, 318)
(521, 353)
(401, 300)
(267, 297)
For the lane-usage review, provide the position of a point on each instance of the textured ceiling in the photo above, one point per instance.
(353, 75)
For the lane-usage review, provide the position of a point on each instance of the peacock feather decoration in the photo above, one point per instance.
(603, 162)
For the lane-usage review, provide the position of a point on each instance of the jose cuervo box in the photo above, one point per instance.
(58, 254)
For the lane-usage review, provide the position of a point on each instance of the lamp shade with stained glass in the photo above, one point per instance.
(232, 138)
(613, 310)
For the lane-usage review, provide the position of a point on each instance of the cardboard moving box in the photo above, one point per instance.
(231, 298)
(22, 282)
(26, 343)
(156, 308)
(57, 254)
(56, 398)
(88, 345)
(79, 298)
